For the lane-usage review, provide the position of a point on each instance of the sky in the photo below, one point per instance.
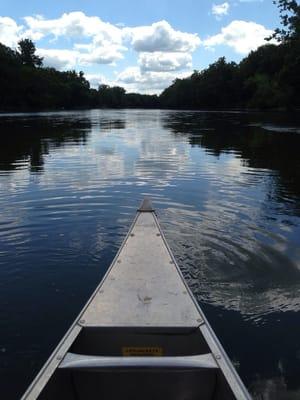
(141, 45)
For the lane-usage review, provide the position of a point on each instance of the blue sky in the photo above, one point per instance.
(140, 45)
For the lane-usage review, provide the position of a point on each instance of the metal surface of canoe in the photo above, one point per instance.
(141, 335)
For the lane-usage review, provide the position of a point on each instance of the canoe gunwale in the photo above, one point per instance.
(218, 353)
(57, 355)
(223, 361)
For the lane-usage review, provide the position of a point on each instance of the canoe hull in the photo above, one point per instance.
(142, 334)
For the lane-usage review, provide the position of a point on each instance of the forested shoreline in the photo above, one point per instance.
(268, 78)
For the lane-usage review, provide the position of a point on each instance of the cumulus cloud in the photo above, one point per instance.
(160, 36)
(9, 31)
(242, 36)
(60, 59)
(105, 44)
(163, 52)
(74, 24)
(98, 55)
(132, 79)
(93, 41)
(219, 10)
(160, 62)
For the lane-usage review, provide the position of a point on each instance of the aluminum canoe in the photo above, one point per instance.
(141, 335)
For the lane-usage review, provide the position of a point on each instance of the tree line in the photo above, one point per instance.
(26, 85)
(268, 77)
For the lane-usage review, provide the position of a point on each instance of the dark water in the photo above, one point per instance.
(227, 191)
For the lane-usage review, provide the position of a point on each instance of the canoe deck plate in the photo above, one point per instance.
(143, 287)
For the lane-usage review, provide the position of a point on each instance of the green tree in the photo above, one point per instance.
(268, 77)
(27, 51)
(216, 86)
(290, 20)
(264, 92)
(111, 96)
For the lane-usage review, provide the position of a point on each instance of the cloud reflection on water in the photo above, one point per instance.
(229, 205)
(219, 226)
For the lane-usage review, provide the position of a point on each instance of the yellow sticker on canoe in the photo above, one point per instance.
(142, 351)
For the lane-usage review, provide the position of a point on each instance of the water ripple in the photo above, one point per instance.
(227, 191)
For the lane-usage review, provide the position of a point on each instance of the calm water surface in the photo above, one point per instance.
(227, 191)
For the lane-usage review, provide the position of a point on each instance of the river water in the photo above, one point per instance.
(226, 186)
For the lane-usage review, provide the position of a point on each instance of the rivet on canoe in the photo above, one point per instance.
(158, 234)
(82, 321)
(119, 261)
(171, 262)
(59, 358)
(132, 234)
(199, 320)
(217, 356)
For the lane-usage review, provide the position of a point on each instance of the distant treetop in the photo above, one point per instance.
(27, 54)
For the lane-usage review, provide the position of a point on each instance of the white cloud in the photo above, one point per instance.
(92, 41)
(60, 59)
(105, 44)
(163, 52)
(9, 32)
(65, 59)
(160, 36)
(133, 80)
(75, 24)
(242, 36)
(99, 55)
(219, 10)
(159, 62)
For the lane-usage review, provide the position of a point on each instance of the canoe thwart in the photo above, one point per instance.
(86, 362)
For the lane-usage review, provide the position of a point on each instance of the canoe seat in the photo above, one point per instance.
(147, 378)
(78, 361)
